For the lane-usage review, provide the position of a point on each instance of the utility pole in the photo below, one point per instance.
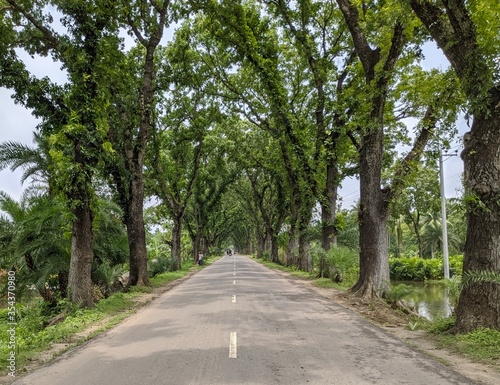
(444, 229)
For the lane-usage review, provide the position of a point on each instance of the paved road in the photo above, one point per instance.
(236, 322)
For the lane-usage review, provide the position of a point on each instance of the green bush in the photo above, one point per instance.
(396, 293)
(340, 264)
(159, 265)
(419, 269)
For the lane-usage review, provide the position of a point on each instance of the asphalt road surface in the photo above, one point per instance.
(237, 322)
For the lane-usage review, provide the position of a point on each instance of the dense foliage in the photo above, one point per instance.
(236, 122)
(419, 269)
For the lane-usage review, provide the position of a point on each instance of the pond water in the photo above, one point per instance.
(430, 300)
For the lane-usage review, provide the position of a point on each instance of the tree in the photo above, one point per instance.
(147, 23)
(419, 197)
(380, 60)
(467, 33)
(35, 162)
(190, 112)
(217, 172)
(267, 196)
(314, 27)
(73, 116)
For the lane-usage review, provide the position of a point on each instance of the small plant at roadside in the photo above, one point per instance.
(395, 293)
(441, 325)
(413, 325)
(453, 285)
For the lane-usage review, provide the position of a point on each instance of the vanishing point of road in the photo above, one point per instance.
(237, 322)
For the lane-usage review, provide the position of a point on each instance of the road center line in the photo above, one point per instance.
(232, 345)
(234, 299)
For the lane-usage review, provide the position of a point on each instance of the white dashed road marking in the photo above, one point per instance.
(232, 345)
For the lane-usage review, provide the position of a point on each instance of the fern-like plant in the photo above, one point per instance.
(396, 293)
(480, 276)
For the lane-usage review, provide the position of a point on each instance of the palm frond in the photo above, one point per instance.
(480, 276)
(16, 155)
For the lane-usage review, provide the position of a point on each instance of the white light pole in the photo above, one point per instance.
(444, 229)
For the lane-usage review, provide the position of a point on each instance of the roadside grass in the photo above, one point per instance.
(33, 337)
(481, 345)
(292, 270)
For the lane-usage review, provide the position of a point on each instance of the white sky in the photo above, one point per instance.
(17, 124)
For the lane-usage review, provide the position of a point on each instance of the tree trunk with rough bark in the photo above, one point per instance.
(176, 243)
(274, 249)
(137, 234)
(304, 261)
(329, 205)
(80, 281)
(479, 303)
(373, 218)
(292, 251)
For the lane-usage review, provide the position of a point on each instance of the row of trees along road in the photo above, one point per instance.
(251, 115)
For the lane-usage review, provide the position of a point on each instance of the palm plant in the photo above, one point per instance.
(37, 248)
(432, 237)
(34, 161)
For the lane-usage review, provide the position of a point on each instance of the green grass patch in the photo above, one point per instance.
(167, 277)
(326, 283)
(301, 274)
(273, 265)
(481, 345)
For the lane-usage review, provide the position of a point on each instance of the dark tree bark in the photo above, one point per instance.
(373, 216)
(137, 233)
(80, 282)
(329, 205)
(176, 243)
(454, 31)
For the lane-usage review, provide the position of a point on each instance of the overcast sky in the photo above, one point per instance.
(17, 124)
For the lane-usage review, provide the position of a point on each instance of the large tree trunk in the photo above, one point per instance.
(196, 246)
(304, 262)
(292, 251)
(373, 211)
(176, 244)
(329, 205)
(479, 303)
(274, 249)
(137, 234)
(261, 245)
(80, 281)
(373, 220)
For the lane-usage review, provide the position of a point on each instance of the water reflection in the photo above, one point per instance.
(430, 300)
